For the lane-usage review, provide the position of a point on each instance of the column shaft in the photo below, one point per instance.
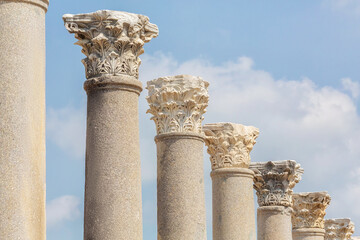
(233, 204)
(113, 176)
(308, 234)
(22, 120)
(180, 188)
(274, 222)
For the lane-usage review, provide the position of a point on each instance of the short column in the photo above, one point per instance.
(339, 229)
(273, 183)
(22, 119)
(308, 215)
(112, 42)
(177, 105)
(229, 146)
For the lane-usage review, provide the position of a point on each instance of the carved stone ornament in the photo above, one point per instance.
(339, 229)
(309, 209)
(275, 180)
(112, 41)
(178, 103)
(229, 144)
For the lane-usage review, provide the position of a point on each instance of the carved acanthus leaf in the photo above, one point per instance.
(229, 145)
(309, 209)
(339, 229)
(111, 40)
(178, 103)
(275, 180)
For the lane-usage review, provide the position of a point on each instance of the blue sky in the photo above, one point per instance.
(290, 68)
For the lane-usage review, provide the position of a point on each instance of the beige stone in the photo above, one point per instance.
(229, 146)
(177, 104)
(308, 216)
(22, 119)
(274, 222)
(112, 42)
(273, 183)
(339, 229)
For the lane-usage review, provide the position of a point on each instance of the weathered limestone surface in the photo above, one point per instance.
(273, 183)
(339, 229)
(22, 119)
(112, 42)
(308, 215)
(229, 146)
(177, 105)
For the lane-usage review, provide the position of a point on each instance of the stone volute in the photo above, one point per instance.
(112, 42)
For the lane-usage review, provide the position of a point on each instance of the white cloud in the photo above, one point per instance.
(351, 86)
(346, 6)
(345, 200)
(65, 208)
(66, 128)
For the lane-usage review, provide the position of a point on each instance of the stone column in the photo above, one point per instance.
(177, 105)
(308, 215)
(273, 183)
(22, 119)
(112, 42)
(339, 229)
(229, 146)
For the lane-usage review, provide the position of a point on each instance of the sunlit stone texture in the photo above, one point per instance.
(22, 119)
(308, 215)
(273, 183)
(229, 147)
(339, 229)
(177, 105)
(112, 42)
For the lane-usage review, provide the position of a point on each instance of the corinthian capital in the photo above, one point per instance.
(178, 103)
(309, 209)
(275, 180)
(112, 41)
(229, 144)
(339, 229)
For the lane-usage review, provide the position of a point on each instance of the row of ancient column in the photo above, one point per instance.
(112, 42)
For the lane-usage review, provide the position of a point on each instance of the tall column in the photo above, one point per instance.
(112, 42)
(339, 229)
(177, 104)
(22, 119)
(229, 146)
(308, 215)
(273, 183)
